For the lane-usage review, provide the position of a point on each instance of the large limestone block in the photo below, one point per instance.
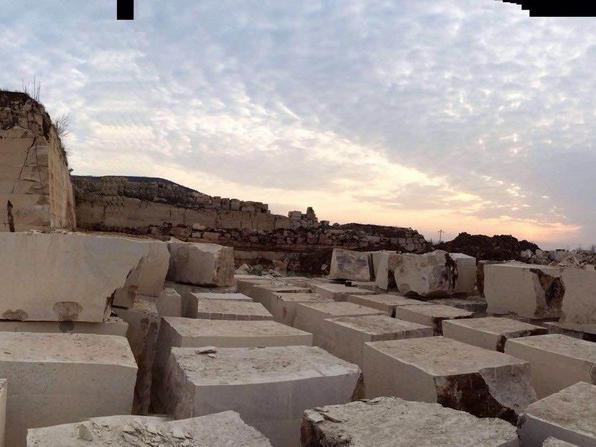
(201, 264)
(244, 283)
(64, 277)
(194, 298)
(384, 302)
(310, 317)
(187, 333)
(475, 304)
(578, 312)
(168, 303)
(62, 378)
(490, 332)
(385, 273)
(265, 294)
(231, 310)
(530, 291)
(569, 415)
(557, 361)
(454, 374)
(112, 326)
(349, 264)
(283, 306)
(432, 315)
(553, 442)
(269, 387)
(435, 274)
(393, 422)
(153, 269)
(345, 336)
(338, 292)
(221, 429)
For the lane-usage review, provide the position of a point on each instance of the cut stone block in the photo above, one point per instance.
(3, 399)
(195, 298)
(59, 378)
(283, 306)
(169, 303)
(231, 310)
(269, 387)
(490, 332)
(384, 302)
(201, 264)
(555, 327)
(310, 316)
(579, 301)
(186, 333)
(454, 374)
(393, 422)
(349, 264)
(221, 429)
(557, 361)
(553, 442)
(96, 267)
(265, 294)
(345, 336)
(475, 304)
(153, 269)
(568, 415)
(431, 315)
(366, 285)
(530, 291)
(480, 274)
(435, 274)
(338, 292)
(112, 326)
(385, 273)
(243, 285)
(143, 327)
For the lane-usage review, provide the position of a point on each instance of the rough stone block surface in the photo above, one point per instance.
(194, 298)
(112, 326)
(60, 378)
(530, 291)
(454, 374)
(283, 306)
(269, 387)
(349, 264)
(431, 315)
(201, 264)
(558, 361)
(338, 292)
(385, 272)
(393, 422)
(265, 294)
(490, 332)
(578, 310)
(231, 310)
(569, 415)
(384, 302)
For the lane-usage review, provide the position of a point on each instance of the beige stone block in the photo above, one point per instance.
(3, 399)
(385, 273)
(221, 429)
(475, 304)
(61, 378)
(345, 336)
(269, 387)
(579, 301)
(393, 422)
(266, 294)
(169, 303)
(201, 264)
(96, 267)
(553, 442)
(431, 315)
(490, 332)
(153, 269)
(338, 292)
(187, 332)
(557, 361)
(568, 416)
(454, 374)
(530, 291)
(310, 317)
(466, 273)
(244, 283)
(283, 306)
(350, 264)
(384, 302)
(231, 310)
(112, 326)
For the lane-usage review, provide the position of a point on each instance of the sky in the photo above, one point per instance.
(453, 115)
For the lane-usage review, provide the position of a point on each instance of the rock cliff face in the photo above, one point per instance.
(35, 186)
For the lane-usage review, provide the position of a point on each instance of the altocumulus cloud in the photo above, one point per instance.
(462, 115)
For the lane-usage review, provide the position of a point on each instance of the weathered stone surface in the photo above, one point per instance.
(579, 301)
(187, 332)
(568, 415)
(283, 306)
(194, 298)
(338, 292)
(75, 275)
(557, 361)
(345, 336)
(349, 264)
(245, 379)
(59, 378)
(265, 294)
(384, 302)
(530, 291)
(310, 316)
(112, 326)
(394, 422)
(431, 315)
(168, 303)
(553, 442)
(231, 310)
(475, 304)
(153, 269)
(490, 332)
(385, 273)
(435, 274)
(221, 429)
(456, 375)
(201, 264)
(244, 283)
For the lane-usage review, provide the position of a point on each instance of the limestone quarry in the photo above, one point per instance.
(136, 312)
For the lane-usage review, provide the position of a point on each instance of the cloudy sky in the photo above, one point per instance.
(460, 115)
